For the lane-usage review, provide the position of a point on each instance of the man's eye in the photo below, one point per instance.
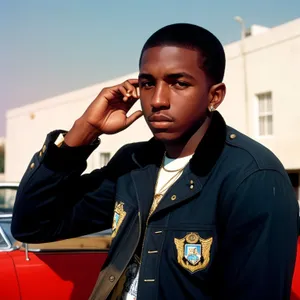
(147, 84)
(181, 84)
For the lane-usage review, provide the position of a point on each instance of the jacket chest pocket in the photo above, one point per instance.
(192, 248)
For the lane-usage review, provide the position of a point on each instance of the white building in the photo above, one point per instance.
(265, 104)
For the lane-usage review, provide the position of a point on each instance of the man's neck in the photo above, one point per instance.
(188, 147)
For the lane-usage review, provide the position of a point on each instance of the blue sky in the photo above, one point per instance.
(51, 47)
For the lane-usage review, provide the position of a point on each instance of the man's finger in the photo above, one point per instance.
(133, 81)
(124, 92)
(130, 85)
(133, 117)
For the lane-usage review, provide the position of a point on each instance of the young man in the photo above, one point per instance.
(198, 212)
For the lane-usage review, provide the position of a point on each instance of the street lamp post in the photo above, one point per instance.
(243, 55)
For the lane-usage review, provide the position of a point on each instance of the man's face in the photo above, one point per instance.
(173, 92)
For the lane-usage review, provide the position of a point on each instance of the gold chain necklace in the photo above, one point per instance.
(159, 195)
(171, 171)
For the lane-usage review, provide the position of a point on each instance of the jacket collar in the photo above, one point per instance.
(205, 156)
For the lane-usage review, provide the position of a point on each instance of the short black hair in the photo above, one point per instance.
(194, 37)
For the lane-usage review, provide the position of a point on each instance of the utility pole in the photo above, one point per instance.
(243, 56)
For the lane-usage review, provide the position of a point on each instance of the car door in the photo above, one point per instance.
(9, 288)
(61, 270)
(295, 294)
(8, 277)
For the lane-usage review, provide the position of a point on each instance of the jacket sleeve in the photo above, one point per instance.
(54, 201)
(259, 239)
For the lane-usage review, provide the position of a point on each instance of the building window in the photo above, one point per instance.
(265, 114)
(104, 158)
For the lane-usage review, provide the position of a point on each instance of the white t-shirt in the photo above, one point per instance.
(132, 271)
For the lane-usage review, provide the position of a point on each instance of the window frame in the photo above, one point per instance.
(262, 100)
(103, 160)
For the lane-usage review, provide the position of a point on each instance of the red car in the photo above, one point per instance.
(61, 270)
(296, 281)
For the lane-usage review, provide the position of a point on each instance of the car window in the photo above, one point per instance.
(7, 199)
(4, 242)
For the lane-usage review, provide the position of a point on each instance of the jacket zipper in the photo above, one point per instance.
(141, 259)
(149, 216)
(126, 264)
(146, 227)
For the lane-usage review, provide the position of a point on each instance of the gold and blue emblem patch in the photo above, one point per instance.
(193, 252)
(119, 217)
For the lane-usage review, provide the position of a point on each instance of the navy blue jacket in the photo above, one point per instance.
(227, 229)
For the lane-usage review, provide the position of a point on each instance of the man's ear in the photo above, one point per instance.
(216, 95)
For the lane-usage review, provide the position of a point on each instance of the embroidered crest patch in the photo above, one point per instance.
(119, 216)
(193, 252)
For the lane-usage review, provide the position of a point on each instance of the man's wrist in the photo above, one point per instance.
(81, 134)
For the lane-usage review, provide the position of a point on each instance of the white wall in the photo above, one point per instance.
(272, 64)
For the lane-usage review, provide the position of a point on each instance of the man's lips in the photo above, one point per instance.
(159, 117)
(160, 121)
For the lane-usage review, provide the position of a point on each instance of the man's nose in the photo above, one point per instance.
(160, 98)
